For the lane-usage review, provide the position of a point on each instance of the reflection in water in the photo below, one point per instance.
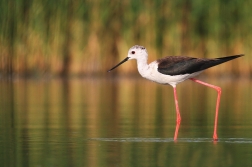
(122, 122)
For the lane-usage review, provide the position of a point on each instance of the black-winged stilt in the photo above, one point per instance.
(173, 70)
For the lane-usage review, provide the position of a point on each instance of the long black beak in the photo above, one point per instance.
(124, 60)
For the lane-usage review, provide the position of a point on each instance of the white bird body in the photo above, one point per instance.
(150, 72)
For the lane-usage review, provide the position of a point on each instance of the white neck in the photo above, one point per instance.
(142, 66)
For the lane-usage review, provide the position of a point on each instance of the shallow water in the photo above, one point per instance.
(123, 122)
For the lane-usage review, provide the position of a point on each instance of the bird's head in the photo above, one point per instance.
(136, 52)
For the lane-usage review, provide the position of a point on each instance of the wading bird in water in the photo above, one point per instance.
(173, 70)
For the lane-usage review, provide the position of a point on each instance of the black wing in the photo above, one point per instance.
(177, 65)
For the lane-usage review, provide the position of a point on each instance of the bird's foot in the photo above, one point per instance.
(215, 137)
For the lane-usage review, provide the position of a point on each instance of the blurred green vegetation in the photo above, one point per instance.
(84, 37)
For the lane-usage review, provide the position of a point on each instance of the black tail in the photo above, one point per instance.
(213, 62)
(224, 59)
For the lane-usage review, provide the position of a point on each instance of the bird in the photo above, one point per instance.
(172, 70)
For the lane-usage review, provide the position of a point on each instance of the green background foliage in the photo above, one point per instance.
(87, 37)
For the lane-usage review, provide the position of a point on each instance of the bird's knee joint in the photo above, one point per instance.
(218, 89)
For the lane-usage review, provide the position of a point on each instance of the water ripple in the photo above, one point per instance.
(181, 140)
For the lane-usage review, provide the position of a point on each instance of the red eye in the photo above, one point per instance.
(132, 52)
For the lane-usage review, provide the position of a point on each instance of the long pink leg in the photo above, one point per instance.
(218, 89)
(178, 113)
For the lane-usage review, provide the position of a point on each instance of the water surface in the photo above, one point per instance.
(122, 122)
